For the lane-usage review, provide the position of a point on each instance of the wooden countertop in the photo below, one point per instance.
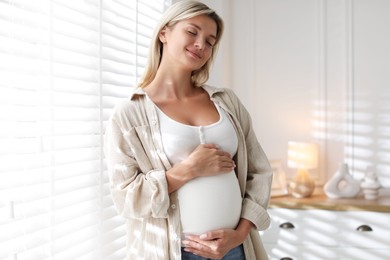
(320, 201)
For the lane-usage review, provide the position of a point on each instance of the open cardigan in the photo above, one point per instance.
(137, 165)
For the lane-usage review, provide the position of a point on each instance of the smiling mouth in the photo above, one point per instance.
(195, 55)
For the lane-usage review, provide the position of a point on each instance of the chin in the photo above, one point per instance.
(192, 68)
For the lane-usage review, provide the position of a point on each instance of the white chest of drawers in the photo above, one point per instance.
(314, 231)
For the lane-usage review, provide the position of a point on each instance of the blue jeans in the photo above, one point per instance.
(236, 253)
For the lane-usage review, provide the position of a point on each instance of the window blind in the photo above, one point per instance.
(63, 66)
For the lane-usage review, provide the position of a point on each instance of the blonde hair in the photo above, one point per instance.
(177, 12)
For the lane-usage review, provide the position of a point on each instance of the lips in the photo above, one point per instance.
(195, 54)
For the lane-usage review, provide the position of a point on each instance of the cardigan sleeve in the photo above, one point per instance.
(258, 171)
(258, 186)
(138, 190)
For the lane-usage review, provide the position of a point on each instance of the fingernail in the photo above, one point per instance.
(203, 236)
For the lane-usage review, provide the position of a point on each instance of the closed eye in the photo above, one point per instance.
(192, 33)
(210, 42)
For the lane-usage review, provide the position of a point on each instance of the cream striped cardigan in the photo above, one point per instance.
(136, 168)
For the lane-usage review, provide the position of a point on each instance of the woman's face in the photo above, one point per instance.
(190, 42)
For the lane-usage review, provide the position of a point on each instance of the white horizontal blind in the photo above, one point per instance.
(63, 66)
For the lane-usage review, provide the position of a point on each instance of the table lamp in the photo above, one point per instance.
(302, 156)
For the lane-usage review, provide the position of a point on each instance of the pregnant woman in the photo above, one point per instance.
(185, 167)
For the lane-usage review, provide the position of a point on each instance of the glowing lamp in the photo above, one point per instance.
(303, 157)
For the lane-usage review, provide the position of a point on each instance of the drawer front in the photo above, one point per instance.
(320, 234)
(356, 253)
(284, 251)
(366, 229)
(312, 252)
(301, 227)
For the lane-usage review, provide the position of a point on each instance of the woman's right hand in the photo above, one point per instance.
(208, 160)
(205, 160)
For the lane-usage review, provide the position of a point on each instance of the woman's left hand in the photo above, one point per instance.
(214, 244)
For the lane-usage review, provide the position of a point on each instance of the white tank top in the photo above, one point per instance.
(205, 203)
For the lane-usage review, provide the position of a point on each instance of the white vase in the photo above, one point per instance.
(370, 185)
(342, 184)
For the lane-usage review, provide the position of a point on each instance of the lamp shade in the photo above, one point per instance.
(302, 155)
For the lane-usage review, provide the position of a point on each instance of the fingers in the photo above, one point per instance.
(224, 163)
(213, 244)
(217, 148)
(204, 248)
(212, 235)
(199, 247)
(220, 155)
(208, 160)
(210, 146)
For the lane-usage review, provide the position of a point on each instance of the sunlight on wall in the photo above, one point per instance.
(370, 133)
(358, 135)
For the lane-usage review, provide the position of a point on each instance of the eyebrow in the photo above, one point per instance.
(199, 28)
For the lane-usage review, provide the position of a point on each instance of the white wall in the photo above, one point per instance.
(312, 71)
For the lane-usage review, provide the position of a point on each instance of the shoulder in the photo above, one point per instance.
(221, 93)
(130, 110)
(225, 95)
(232, 103)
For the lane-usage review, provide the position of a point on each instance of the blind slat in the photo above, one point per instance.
(63, 67)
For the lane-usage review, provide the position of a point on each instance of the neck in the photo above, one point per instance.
(171, 84)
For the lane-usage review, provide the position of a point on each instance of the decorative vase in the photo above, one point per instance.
(370, 185)
(342, 184)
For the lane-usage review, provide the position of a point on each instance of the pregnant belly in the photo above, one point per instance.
(210, 203)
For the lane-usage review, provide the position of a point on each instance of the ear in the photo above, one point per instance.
(162, 35)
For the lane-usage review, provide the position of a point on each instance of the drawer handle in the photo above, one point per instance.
(286, 258)
(287, 225)
(364, 228)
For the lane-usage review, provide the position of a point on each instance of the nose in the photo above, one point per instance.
(199, 43)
